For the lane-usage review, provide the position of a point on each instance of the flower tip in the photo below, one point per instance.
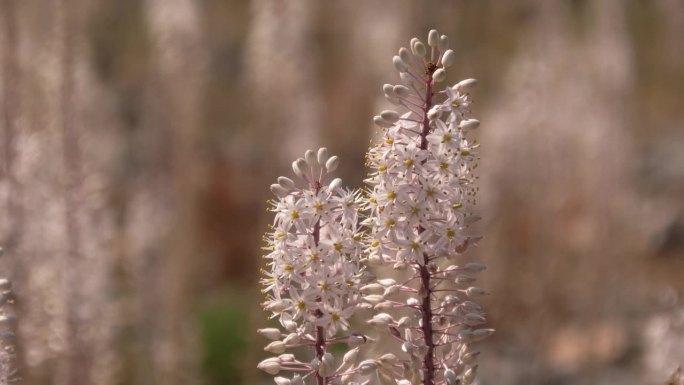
(310, 157)
(399, 64)
(300, 167)
(465, 85)
(335, 184)
(433, 38)
(332, 163)
(443, 43)
(322, 156)
(418, 48)
(378, 120)
(439, 75)
(390, 116)
(448, 58)
(278, 190)
(405, 55)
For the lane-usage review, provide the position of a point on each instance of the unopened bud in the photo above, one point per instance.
(388, 89)
(443, 43)
(439, 75)
(270, 333)
(449, 58)
(332, 163)
(399, 64)
(378, 120)
(282, 381)
(278, 190)
(310, 157)
(469, 124)
(418, 48)
(335, 184)
(297, 380)
(405, 55)
(475, 291)
(474, 267)
(367, 367)
(270, 366)
(350, 357)
(390, 116)
(286, 183)
(322, 156)
(465, 85)
(401, 91)
(300, 167)
(276, 347)
(433, 38)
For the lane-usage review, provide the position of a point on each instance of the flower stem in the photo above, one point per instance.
(426, 308)
(320, 332)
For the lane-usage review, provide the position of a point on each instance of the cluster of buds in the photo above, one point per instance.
(314, 272)
(422, 189)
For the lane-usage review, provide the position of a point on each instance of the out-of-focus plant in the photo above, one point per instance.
(7, 355)
(314, 273)
(422, 189)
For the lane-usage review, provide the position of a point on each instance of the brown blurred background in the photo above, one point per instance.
(138, 139)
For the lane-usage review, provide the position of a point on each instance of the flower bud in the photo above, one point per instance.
(475, 291)
(373, 298)
(292, 338)
(356, 340)
(372, 287)
(350, 357)
(390, 116)
(399, 64)
(388, 89)
(367, 367)
(401, 91)
(474, 267)
(310, 157)
(278, 190)
(465, 85)
(481, 334)
(464, 278)
(448, 58)
(322, 156)
(443, 43)
(300, 167)
(387, 282)
(405, 55)
(297, 380)
(288, 357)
(381, 319)
(418, 48)
(378, 120)
(270, 333)
(439, 75)
(332, 163)
(270, 366)
(469, 124)
(286, 183)
(276, 347)
(433, 38)
(335, 184)
(282, 381)
(434, 114)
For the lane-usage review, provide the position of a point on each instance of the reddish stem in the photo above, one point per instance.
(426, 308)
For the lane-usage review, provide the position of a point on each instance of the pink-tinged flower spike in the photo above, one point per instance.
(422, 190)
(314, 272)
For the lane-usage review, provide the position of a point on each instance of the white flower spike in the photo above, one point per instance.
(421, 193)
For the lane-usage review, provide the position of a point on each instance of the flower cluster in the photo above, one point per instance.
(315, 271)
(422, 189)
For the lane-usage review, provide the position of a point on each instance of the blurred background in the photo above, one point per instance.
(139, 137)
